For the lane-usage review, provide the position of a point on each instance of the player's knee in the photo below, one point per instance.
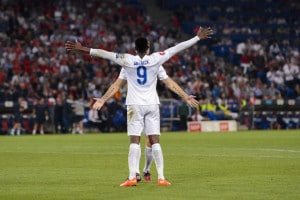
(135, 139)
(154, 139)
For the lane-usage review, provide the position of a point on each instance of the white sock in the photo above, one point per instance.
(159, 160)
(138, 160)
(148, 159)
(132, 159)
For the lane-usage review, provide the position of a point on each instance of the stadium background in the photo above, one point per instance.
(245, 64)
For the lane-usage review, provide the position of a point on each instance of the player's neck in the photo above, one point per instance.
(141, 55)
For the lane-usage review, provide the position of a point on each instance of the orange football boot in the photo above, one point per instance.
(163, 182)
(128, 183)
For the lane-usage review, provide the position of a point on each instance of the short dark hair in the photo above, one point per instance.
(141, 45)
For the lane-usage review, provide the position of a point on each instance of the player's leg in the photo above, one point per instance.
(159, 160)
(134, 149)
(138, 174)
(152, 129)
(148, 160)
(134, 129)
(157, 155)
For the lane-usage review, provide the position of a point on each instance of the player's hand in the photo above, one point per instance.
(97, 104)
(92, 101)
(73, 46)
(204, 33)
(191, 101)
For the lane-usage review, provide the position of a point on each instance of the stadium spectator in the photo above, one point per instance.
(290, 72)
(208, 109)
(19, 109)
(271, 92)
(2, 76)
(246, 61)
(119, 118)
(105, 124)
(294, 121)
(272, 120)
(78, 107)
(196, 115)
(281, 123)
(59, 116)
(223, 107)
(183, 112)
(94, 119)
(40, 113)
(69, 112)
(287, 117)
(257, 120)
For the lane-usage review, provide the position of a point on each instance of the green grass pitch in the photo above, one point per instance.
(237, 165)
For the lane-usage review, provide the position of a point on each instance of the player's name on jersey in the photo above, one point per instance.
(143, 62)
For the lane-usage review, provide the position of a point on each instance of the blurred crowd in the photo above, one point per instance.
(240, 62)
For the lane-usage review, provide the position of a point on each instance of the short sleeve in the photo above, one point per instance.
(162, 74)
(122, 74)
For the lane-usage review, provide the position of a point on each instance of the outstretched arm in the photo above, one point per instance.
(203, 33)
(172, 85)
(99, 102)
(77, 46)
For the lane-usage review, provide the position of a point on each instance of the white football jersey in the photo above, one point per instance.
(141, 73)
(143, 95)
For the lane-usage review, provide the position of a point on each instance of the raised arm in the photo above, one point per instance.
(99, 102)
(202, 34)
(172, 85)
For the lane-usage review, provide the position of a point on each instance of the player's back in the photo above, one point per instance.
(142, 79)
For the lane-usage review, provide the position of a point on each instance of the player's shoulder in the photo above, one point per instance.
(157, 55)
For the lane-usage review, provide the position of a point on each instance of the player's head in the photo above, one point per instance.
(141, 45)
